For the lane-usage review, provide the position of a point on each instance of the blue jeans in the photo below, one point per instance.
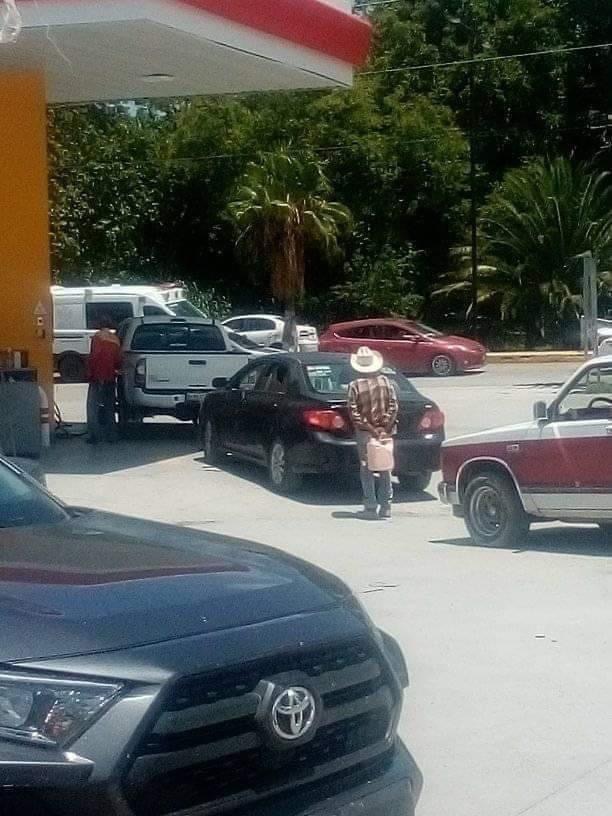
(375, 490)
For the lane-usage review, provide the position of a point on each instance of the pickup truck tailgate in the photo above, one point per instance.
(190, 370)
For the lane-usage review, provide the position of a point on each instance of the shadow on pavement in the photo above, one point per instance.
(143, 445)
(568, 540)
(320, 491)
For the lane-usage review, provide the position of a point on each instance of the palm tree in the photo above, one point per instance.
(536, 224)
(281, 206)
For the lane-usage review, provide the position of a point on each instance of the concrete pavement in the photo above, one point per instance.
(508, 651)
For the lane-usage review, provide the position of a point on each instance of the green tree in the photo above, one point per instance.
(104, 193)
(378, 284)
(280, 207)
(535, 225)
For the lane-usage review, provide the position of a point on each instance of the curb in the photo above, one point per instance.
(576, 357)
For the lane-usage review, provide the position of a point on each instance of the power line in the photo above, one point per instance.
(482, 60)
(376, 3)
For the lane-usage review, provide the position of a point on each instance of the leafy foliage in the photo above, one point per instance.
(280, 207)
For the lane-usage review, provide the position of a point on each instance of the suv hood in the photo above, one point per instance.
(101, 582)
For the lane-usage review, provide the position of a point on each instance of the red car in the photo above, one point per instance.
(554, 468)
(411, 347)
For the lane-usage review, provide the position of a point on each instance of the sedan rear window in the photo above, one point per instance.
(23, 504)
(335, 378)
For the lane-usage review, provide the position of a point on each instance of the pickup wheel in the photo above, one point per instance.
(72, 368)
(126, 416)
(283, 477)
(494, 515)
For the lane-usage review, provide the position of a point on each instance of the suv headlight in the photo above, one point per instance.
(47, 711)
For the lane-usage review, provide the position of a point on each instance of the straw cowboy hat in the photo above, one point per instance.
(367, 361)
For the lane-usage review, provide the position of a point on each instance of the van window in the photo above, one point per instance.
(116, 310)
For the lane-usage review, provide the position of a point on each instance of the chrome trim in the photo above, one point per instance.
(528, 504)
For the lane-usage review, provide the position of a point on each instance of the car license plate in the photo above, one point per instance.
(196, 396)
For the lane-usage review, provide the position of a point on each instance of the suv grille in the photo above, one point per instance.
(205, 749)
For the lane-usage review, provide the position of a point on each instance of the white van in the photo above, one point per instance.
(77, 310)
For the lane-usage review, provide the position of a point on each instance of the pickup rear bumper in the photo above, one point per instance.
(448, 495)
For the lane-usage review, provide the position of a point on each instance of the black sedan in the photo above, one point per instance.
(289, 413)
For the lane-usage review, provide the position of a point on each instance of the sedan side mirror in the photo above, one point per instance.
(220, 382)
(540, 411)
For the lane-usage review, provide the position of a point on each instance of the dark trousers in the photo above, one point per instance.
(101, 412)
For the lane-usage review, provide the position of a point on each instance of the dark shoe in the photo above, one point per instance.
(385, 511)
(367, 515)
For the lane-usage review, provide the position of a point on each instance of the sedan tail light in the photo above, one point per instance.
(325, 420)
(140, 374)
(432, 421)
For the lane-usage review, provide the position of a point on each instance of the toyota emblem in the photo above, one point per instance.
(293, 713)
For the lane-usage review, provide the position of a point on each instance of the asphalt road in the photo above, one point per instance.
(509, 651)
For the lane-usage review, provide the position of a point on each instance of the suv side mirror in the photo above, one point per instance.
(220, 382)
(540, 411)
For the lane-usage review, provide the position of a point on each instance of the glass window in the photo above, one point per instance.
(248, 380)
(590, 397)
(335, 378)
(235, 324)
(258, 324)
(153, 311)
(355, 331)
(206, 338)
(183, 308)
(117, 311)
(277, 380)
(177, 337)
(421, 328)
(23, 504)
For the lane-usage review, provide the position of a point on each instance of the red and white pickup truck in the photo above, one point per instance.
(556, 467)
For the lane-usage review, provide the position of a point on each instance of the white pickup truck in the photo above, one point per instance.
(170, 364)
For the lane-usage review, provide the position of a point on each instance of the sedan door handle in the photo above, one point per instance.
(198, 362)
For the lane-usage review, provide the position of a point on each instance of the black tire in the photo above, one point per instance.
(72, 368)
(126, 415)
(443, 365)
(210, 442)
(494, 515)
(282, 475)
(415, 482)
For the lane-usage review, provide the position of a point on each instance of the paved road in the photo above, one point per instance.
(509, 651)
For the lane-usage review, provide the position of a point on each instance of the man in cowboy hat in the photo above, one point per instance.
(373, 405)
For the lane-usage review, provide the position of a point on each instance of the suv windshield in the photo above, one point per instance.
(23, 504)
(335, 378)
(183, 308)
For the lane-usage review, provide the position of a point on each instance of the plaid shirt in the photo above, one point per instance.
(373, 402)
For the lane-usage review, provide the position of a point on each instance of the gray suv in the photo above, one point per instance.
(147, 670)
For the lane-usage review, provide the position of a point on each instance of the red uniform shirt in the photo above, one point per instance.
(105, 357)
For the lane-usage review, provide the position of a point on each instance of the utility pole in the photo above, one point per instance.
(473, 208)
(470, 28)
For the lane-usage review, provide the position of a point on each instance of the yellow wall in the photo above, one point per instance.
(24, 233)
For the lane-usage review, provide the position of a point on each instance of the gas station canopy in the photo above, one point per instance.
(131, 49)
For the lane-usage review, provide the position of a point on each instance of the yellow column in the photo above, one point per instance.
(24, 222)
